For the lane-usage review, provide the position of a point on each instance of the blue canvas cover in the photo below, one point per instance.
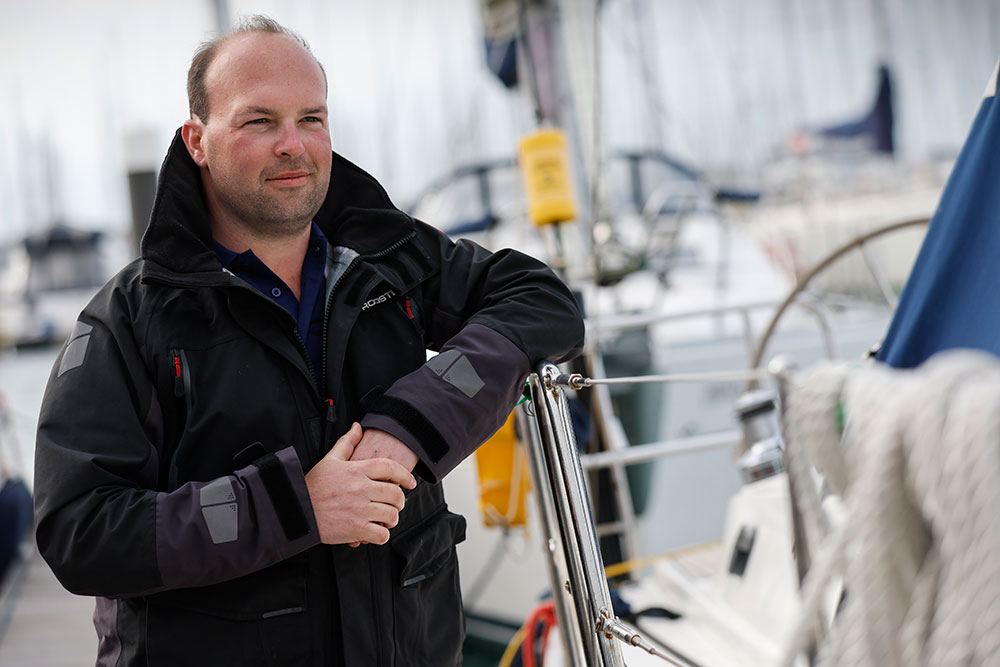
(952, 298)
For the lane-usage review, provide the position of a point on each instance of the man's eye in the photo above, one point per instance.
(312, 119)
(257, 121)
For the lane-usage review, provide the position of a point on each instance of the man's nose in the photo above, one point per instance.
(289, 142)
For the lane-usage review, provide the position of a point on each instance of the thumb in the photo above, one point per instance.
(344, 447)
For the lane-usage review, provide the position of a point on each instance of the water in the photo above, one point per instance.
(23, 375)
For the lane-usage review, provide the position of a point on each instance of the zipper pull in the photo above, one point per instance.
(331, 419)
(178, 374)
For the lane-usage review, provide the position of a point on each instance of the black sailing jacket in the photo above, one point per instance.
(182, 413)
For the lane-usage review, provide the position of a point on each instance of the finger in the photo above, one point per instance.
(354, 545)
(387, 470)
(383, 514)
(345, 445)
(376, 534)
(387, 493)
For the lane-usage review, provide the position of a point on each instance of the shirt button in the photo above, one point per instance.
(276, 292)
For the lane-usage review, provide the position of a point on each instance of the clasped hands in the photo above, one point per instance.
(356, 490)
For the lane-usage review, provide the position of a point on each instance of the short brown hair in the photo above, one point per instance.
(205, 55)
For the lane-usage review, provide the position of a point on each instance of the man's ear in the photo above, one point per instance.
(193, 134)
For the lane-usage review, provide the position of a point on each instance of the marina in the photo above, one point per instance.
(732, 222)
(45, 626)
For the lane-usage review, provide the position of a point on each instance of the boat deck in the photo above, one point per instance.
(47, 626)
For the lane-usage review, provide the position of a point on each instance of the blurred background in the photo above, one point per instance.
(797, 122)
(94, 88)
(728, 90)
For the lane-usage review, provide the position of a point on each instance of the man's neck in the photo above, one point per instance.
(283, 254)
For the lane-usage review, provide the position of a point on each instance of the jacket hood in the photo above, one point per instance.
(357, 213)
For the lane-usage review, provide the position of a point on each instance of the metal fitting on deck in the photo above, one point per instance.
(571, 380)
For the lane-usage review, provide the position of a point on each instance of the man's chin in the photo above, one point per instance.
(279, 225)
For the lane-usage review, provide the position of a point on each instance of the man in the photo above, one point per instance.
(229, 467)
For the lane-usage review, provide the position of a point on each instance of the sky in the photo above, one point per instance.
(720, 83)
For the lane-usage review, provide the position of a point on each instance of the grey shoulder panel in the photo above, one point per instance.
(80, 329)
(74, 354)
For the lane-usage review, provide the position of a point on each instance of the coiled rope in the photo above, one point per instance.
(918, 551)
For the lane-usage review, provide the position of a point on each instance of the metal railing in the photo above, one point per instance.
(589, 628)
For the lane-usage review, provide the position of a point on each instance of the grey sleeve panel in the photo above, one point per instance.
(455, 403)
(456, 369)
(220, 510)
(225, 528)
(218, 492)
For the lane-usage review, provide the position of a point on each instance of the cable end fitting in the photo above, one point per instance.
(571, 380)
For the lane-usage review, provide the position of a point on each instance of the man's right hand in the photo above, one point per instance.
(356, 501)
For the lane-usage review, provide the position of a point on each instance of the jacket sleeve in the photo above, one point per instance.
(493, 316)
(102, 525)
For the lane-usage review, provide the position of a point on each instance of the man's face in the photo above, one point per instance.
(265, 149)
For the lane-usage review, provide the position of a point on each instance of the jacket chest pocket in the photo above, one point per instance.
(220, 399)
(411, 309)
(181, 374)
(385, 344)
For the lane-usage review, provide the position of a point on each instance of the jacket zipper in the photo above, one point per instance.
(376, 609)
(305, 355)
(331, 404)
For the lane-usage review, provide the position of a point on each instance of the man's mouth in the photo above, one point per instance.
(290, 178)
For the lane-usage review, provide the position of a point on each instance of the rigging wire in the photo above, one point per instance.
(529, 60)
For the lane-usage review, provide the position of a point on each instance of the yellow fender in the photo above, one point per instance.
(504, 481)
(544, 162)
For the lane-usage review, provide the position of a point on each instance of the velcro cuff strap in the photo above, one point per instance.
(416, 423)
(279, 489)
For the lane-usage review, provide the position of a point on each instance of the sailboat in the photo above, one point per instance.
(746, 608)
(45, 281)
(750, 615)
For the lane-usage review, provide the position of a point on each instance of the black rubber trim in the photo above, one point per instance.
(414, 421)
(286, 504)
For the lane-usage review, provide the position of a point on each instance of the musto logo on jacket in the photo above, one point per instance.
(377, 300)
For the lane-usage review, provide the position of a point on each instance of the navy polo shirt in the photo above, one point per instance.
(309, 309)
